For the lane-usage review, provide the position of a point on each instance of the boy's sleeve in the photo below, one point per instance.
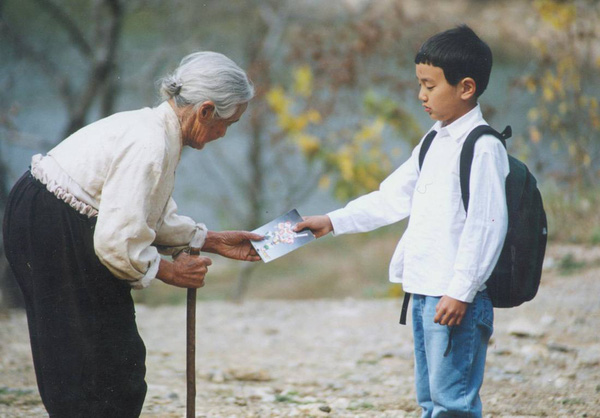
(390, 204)
(486, 223)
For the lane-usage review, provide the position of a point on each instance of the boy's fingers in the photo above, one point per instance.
(439, 316)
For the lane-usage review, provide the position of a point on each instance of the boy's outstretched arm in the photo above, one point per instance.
(319, 225)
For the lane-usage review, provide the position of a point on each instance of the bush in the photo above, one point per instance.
(573, 215)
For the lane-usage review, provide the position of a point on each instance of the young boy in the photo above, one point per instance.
(446, 254)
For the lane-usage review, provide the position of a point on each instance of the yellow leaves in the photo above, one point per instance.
(538, 44)
(531, 85)
(345, 164)
(548, 94)
(293, 124)
(303, 81)
(309, 144)
(565, 66)
(352, 159)
(534, 134)
(313, 116)
(565, 114)
(560, 14)
(370, 132)
(533, 114)
(324, 182)
(553, 86)
(587, 160)
(282, 104)
(596, 122)
(563, 108)
(277, 100)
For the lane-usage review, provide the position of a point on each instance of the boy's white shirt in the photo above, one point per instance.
(442, 251)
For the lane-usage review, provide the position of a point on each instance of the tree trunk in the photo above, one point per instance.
(10, 295)
(256, 196)
(242, 282)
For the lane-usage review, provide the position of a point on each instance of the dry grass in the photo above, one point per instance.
(573, 216)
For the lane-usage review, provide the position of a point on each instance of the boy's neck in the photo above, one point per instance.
(461, 113)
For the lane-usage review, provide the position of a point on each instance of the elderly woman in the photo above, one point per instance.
(87, 222)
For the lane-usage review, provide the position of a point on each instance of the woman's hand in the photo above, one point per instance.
(232, 244)
(185, 271)
(319, 225)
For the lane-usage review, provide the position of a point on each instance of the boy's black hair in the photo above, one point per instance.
(460, 53)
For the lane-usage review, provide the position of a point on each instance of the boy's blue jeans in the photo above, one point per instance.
(449, 361)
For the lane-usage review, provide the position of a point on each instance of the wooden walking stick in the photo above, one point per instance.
(191, 347)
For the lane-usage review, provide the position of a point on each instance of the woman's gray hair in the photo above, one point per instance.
(208, 76)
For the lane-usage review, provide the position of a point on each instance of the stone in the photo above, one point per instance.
(525, 329)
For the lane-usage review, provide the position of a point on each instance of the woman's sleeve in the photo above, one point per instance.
(131, 206)
(178, 232)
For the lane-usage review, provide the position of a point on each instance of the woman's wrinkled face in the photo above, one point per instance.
(202, 127)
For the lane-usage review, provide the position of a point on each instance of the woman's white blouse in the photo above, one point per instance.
(122, 170)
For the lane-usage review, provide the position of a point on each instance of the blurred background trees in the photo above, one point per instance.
(563, 81)
(564, 117)
(336, 106)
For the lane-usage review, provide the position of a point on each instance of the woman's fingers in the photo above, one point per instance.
(190, 271)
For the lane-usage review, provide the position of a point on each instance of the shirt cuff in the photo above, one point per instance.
(199, 237)
(150, 275)
(463, 287)
(341, 224)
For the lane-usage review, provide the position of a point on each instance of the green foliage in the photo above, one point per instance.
(286, 399)
(18, 397)
(361, 406)
(570, 265)
(353, 159)
(595, 238)
(392, 113)
(573, 215)
(562, 82)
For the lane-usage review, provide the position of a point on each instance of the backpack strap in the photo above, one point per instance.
(425, 147)
(404, 308)
(466, 155)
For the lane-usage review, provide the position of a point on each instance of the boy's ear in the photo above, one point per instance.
(469, 87)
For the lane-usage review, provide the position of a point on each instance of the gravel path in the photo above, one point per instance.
(347, 358)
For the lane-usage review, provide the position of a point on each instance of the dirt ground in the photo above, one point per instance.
(347, 358)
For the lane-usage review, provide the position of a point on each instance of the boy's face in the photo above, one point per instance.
(441, 100)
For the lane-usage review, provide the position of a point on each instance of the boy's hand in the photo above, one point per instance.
(450, 311)
(319, 225)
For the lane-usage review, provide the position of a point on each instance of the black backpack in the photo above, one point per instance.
(516, 277)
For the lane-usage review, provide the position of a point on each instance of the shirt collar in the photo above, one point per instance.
(461, 126)
(172, 125)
